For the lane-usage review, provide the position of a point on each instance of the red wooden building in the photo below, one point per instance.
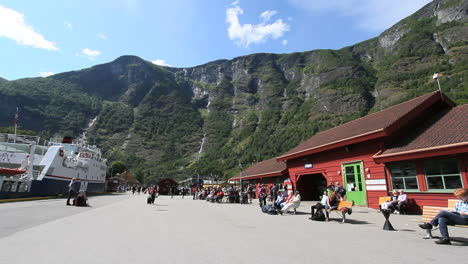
(266, 172)
(420, 146)
(165, 185)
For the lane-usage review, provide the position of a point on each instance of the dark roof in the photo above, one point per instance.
(444, 129)
(368, 125)
(266, 168)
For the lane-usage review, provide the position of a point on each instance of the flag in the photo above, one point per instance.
(16, 116)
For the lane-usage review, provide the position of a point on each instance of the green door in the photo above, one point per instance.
(354, 184)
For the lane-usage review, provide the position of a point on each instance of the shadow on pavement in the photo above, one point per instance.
(461, 241)
(406, 230)
(352, 221)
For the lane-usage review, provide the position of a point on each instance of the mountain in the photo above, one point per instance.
(214, 118)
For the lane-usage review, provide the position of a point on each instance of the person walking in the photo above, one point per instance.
(274, 192)
(183, 192)
(250, 192)
(73, 188)
(262, 195)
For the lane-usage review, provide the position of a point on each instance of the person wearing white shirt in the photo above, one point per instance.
(292, 204)
(401, 201)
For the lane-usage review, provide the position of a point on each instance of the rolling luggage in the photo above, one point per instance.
(79, 200)
(149, 200)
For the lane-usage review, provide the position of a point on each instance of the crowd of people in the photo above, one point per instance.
(216, 194)
(285, 200)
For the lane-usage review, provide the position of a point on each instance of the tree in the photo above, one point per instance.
(118, 167)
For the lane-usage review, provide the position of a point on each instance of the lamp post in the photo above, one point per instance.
(240, 175)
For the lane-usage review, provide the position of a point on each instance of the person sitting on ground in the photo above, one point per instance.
(210, 196)
(292, 203)
(279, 200)
(219, 195)
(444, 218)
(324, 203)
(402, 200)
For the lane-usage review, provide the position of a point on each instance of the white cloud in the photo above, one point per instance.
(267, 15)
(246, 34)
(13, 26)
(284, 42)
(68, 25)
(371, 15)
(161, 62)
(91, 54)
(46, 74)
(102, 36)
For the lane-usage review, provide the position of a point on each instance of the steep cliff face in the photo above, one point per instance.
(211, 118)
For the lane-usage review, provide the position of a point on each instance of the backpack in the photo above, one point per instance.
(319, 216)
(271, 210)
(265, 208)
(79, 200)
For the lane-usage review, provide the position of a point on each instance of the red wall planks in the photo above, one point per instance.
(329, 164)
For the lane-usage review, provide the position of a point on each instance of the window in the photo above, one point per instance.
(404, 176)
(443, 174)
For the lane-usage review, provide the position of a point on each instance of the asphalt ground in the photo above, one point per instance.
(124, 229)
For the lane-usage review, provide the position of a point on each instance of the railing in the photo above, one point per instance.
(22, 139)
(21, 148)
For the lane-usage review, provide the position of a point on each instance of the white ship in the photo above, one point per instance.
(32, 167)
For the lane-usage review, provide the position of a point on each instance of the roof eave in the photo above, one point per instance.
(261, 175)
(444, 150)
(341, 143)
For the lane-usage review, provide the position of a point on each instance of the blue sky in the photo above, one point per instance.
(39, 38)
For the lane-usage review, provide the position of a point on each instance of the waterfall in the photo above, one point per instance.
(202, 144)
(90, 124)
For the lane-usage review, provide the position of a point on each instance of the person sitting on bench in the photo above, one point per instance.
(292, 203)
(400, 202)
(388, 204)
(444, 218)
(324, 203)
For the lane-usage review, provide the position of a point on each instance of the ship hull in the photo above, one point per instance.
(50, 187)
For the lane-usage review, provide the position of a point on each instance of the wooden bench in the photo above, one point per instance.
(341, 205)
(384, 199)
(429, 212)
(452, 203)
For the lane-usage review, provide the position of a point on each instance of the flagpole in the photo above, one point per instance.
(16, 124)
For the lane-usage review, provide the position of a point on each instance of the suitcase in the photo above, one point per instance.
(149, 200)
(79, 201)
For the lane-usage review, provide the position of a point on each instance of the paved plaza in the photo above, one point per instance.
(124, 229)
